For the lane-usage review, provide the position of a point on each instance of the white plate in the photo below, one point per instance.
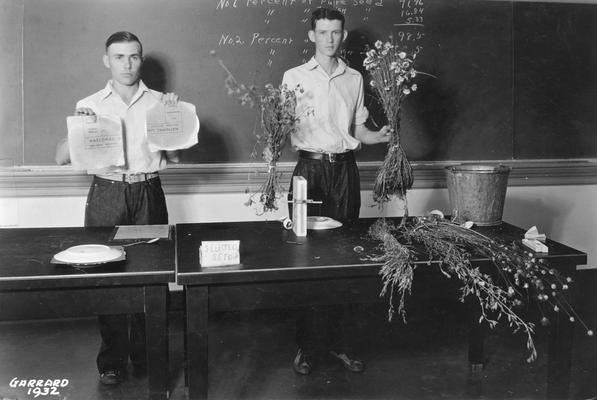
(89, 254)
(316, 223)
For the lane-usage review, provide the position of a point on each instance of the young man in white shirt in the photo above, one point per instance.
(127, 195)
(331, 127)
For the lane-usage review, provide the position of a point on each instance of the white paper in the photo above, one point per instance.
(95, 141)
(142, 232)
(218, 253)
(533, 234)
(535, 245)
(172, 127)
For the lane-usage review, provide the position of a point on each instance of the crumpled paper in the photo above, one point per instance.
(533, 240)
(172, 127)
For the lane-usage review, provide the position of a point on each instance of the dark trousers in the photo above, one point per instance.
(322, 328)
(111, 203)
(337, 185)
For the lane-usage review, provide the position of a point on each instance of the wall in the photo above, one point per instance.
(565, 213)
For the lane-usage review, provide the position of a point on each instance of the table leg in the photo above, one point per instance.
(197, 323)
(156, 328)
(559, 357)
(476, 336)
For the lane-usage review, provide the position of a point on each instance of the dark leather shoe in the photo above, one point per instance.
(111, 377)
(302, 363)
(351, 364)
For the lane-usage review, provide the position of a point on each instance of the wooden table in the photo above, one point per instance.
(33, 288)
(279, 270)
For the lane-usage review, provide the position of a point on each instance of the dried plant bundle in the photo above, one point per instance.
(517, 275)
(277, 113)
(392, 70)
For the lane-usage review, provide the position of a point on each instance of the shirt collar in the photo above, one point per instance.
(340, 69)
(109, 89)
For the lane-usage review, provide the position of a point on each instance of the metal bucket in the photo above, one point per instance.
(477, 192)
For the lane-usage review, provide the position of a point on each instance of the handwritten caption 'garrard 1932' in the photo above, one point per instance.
(39, 387)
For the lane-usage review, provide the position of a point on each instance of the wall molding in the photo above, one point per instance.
(43, 181)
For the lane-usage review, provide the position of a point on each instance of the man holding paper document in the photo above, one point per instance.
(126, 188)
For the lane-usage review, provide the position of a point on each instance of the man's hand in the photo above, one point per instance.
(384, 134)
(173, 156)
(84, 111)
(373, 137)
(169, 99)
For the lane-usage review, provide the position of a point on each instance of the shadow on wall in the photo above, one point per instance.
(526, 213)
(154, 73)
(211, 147)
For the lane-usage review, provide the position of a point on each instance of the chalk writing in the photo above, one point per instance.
(258, 39)
(411, 25)
(222, 4)
(280, 22)
(227, 39)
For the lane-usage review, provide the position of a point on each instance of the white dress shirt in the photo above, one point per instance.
(329, 107)
(138, 157)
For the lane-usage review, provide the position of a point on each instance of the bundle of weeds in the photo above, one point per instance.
(517, 275)
(391, 69)
(277, 112)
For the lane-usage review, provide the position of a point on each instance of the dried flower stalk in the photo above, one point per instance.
(277, 112)
(392, 70)
(518, 276)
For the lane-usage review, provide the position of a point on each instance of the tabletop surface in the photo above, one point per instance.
(269, 252)
(26, 254)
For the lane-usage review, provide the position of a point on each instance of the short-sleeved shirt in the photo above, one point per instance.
(139, 159)
(329, 107)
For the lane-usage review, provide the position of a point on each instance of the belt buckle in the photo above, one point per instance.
(131, 178)
(331, 157)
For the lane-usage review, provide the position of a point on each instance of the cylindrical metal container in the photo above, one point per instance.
(477, 192)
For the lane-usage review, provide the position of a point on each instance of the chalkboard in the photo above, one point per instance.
(555, 80)
(500, 81)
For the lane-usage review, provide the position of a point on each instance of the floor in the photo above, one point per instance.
(251, 355)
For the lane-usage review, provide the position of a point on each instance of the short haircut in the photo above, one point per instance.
(123, 36)
(326, 13)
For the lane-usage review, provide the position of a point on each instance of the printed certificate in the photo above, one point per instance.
(172, 127)
(95, 141)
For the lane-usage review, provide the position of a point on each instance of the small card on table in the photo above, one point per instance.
(218, 253)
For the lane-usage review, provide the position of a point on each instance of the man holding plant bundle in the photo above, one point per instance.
(331, 117)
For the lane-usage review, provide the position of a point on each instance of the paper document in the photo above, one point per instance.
(124, 232)
(219, 253)
(172, 127)
(535, 245)
(95, 141)
(533, 233)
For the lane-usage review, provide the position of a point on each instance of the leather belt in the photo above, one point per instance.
(130, 178)
(331, 157)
